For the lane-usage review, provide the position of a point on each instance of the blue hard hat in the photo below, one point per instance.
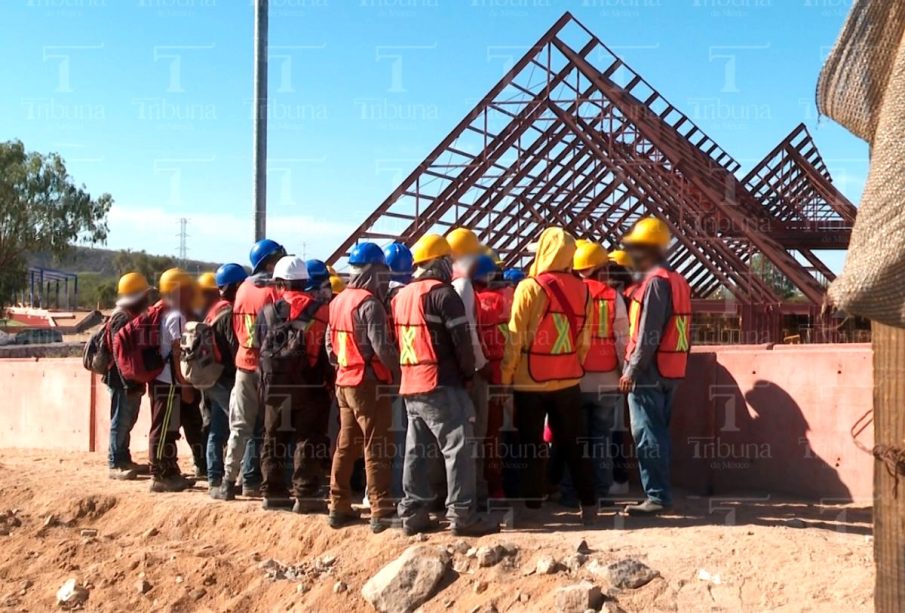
(484, 266)
(229, 274)
(513, 275)
(261, 251)
(400, 261)
(317, 274)
(365, 254)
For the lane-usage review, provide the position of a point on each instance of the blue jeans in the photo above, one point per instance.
(123, 415)
(650, 409)
(600, 415)
(218, 396)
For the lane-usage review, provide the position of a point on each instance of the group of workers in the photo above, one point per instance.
(459, 384)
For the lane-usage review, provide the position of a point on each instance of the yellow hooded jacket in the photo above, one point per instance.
(555, 250)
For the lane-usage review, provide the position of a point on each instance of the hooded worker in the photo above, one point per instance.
(655, 358)
(366, 362)
(548, 341)
(437, 361)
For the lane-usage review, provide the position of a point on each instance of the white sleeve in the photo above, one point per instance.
(465, 290)
(620, 328)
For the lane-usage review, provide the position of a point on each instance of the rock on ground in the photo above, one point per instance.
(577, 598)
(408, 581)
(630, 573)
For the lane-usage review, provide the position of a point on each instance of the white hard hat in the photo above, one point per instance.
(291, 268)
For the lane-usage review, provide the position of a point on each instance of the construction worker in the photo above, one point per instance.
(125, 397)
(245, 419)
(437, 361)
(169, 392)
(466, 249)
(337, 285)
(209, 293)
(399, 261)
(227, 279)
(494, 304)
(549, 337)
(656, 357)
(293, 366)
(601, 399)
(360, 348)
(620, 275)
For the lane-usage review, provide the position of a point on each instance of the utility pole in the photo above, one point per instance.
(260, 119)
(183, 240)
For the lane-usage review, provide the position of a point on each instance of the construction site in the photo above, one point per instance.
(782, 484)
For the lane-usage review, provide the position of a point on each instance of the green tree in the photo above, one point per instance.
(776, 280)
(41, 210)
(151, 266)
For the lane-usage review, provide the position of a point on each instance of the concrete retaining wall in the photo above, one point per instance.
(748, 419)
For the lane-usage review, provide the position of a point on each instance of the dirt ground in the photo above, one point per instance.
(184, 552)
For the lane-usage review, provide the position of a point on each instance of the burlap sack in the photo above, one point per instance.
(862, 86)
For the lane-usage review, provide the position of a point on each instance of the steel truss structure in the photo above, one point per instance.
(572, 136)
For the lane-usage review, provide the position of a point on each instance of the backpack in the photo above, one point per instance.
(200, 360)
(97, 354)
(283, 348)
(136, 347)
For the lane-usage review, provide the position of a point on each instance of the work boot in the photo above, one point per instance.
(588, 515)
(140, 469)
(225, 491)
(411, 528)
(200, 473)
(618, 489)
(308, 505)
(122, 473)
(646, 508)
(480, 527)
(336, 519)
(276, 503)
(251, 491)
(379, 524)
(173, 483)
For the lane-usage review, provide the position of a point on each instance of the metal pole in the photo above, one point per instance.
(260, 122)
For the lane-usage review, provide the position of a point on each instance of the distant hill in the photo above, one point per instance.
(101, 261)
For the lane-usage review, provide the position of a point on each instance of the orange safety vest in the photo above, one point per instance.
(553, 353)
(316, 333)
(351, 364)
(417, 358)
(250, 299)
(602, 352)
(493, 327)
(675, 342)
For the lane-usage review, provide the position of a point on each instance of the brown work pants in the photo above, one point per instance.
(365, 416)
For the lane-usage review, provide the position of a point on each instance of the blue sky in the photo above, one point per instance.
(150, 99)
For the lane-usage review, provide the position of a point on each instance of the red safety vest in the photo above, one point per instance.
(417, 358)
(602, 352)
(553, 353)
(675, 342)
(493, 309)
(250, 299)
(351, 365)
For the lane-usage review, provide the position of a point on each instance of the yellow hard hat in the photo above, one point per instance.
(589, 256)
(494, 255)
(337, 284)
(207, 281)
(430, 247)
(173, 279)
(331, 270)
(649, 231)
(132, 283)
(581, 241)
(622, 258)
(463, 242)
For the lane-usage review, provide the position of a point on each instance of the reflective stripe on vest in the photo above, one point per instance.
(675, 341)
(417, 358)
(602, 352)
(552, 355)
(352, 365)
